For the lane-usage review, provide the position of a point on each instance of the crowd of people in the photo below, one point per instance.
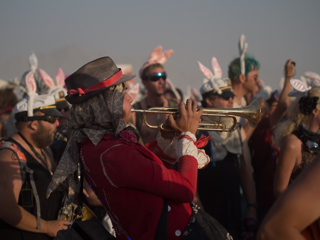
(175, 181)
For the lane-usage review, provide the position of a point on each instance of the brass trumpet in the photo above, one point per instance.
(252, 113)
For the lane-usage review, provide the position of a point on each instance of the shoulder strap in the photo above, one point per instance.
(24, 170)
(19, 155)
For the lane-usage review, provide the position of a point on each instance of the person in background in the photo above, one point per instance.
(8, 100)
(298, 136)
(244, 75)
(230, 167)
(296, 209)
(264, 152)
(153, 76)
(26, 168)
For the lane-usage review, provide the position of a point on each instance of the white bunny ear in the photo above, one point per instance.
(33, 62)
(299, 87)
(242, 50)
(60, 77)
(216, 68)
(165, 56)
(46, 78)
(307, 81)
(312, 75)
(31, 91)
(205, 71)
(312, 78)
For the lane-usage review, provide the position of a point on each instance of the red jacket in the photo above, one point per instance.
(131, 181)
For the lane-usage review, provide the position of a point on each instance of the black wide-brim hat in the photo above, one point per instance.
(93, 78)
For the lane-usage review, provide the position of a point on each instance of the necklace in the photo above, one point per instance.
(43, 160)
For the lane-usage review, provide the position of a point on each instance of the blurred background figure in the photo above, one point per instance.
(173, 93)
(153, 76)
(264, 152)
(8, 100)
(230, 167)
(298, 136)
(244, 75)
(26, 169)
(295, 209)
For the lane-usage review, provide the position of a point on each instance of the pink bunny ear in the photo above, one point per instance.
(60, 77)
(30, 83)
(46, 78)
(165, 56)
(154, 55)
(205, 71)
(31, 91)
(216, 67)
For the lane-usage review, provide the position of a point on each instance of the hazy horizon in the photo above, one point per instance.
(128, 30)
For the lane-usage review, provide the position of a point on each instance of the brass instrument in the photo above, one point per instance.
(68, 212)
(60, 136)
(214, 119)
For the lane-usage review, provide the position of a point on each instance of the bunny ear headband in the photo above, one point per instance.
(299, 87)
(242, 50)
(312, 78)
(156, 56)
(217, 73)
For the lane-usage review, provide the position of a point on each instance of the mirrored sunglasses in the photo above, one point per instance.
(154, 77)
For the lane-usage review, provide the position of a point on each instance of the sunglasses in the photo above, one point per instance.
(154, 77)
(225, 97)
(47, 118)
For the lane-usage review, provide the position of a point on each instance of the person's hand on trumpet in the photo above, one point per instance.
(188, 119)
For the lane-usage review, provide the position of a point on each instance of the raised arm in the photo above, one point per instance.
(284, 99)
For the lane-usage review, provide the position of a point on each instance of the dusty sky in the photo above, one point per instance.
(128, 30)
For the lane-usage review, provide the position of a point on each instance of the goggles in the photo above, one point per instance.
(154, 77)
(47, 118)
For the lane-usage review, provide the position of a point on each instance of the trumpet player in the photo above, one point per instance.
(135, 187)
(219, 183)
